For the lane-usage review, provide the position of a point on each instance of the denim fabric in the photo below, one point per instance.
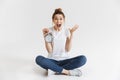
(58, 66)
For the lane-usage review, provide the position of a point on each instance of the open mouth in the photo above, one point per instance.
(58, 25)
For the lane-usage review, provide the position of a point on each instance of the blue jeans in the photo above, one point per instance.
(58, 66)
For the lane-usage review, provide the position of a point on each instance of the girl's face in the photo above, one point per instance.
(58, 21)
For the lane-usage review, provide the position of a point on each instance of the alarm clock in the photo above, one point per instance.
(49, 38)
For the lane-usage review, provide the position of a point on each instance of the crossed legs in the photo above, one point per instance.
(62, 66)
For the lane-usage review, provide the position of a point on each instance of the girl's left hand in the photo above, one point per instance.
(74, 28)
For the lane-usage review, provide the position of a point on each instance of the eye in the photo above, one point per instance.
(55, 19)
(61, 19)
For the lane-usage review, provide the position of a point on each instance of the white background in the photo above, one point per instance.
(21, 40)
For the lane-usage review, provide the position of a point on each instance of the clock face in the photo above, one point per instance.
(49, 38)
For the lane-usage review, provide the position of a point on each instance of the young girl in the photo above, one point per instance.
(58, 60)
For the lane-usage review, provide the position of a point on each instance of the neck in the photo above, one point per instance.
(57, 29)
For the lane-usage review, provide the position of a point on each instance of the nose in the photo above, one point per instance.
(58, 22)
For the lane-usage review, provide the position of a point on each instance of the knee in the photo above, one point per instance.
(39, 59)
(82, 59)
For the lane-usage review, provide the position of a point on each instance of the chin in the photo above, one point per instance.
(59, 26)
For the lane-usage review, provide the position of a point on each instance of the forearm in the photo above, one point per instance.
(69, 43)
(48, 47)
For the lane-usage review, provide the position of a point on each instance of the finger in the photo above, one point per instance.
(75, 27)
(45, 30)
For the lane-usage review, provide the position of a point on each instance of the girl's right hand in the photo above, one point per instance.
(45, 31)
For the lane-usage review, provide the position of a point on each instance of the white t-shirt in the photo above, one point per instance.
(59, 42)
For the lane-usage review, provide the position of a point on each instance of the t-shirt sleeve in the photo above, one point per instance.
(67, 32)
